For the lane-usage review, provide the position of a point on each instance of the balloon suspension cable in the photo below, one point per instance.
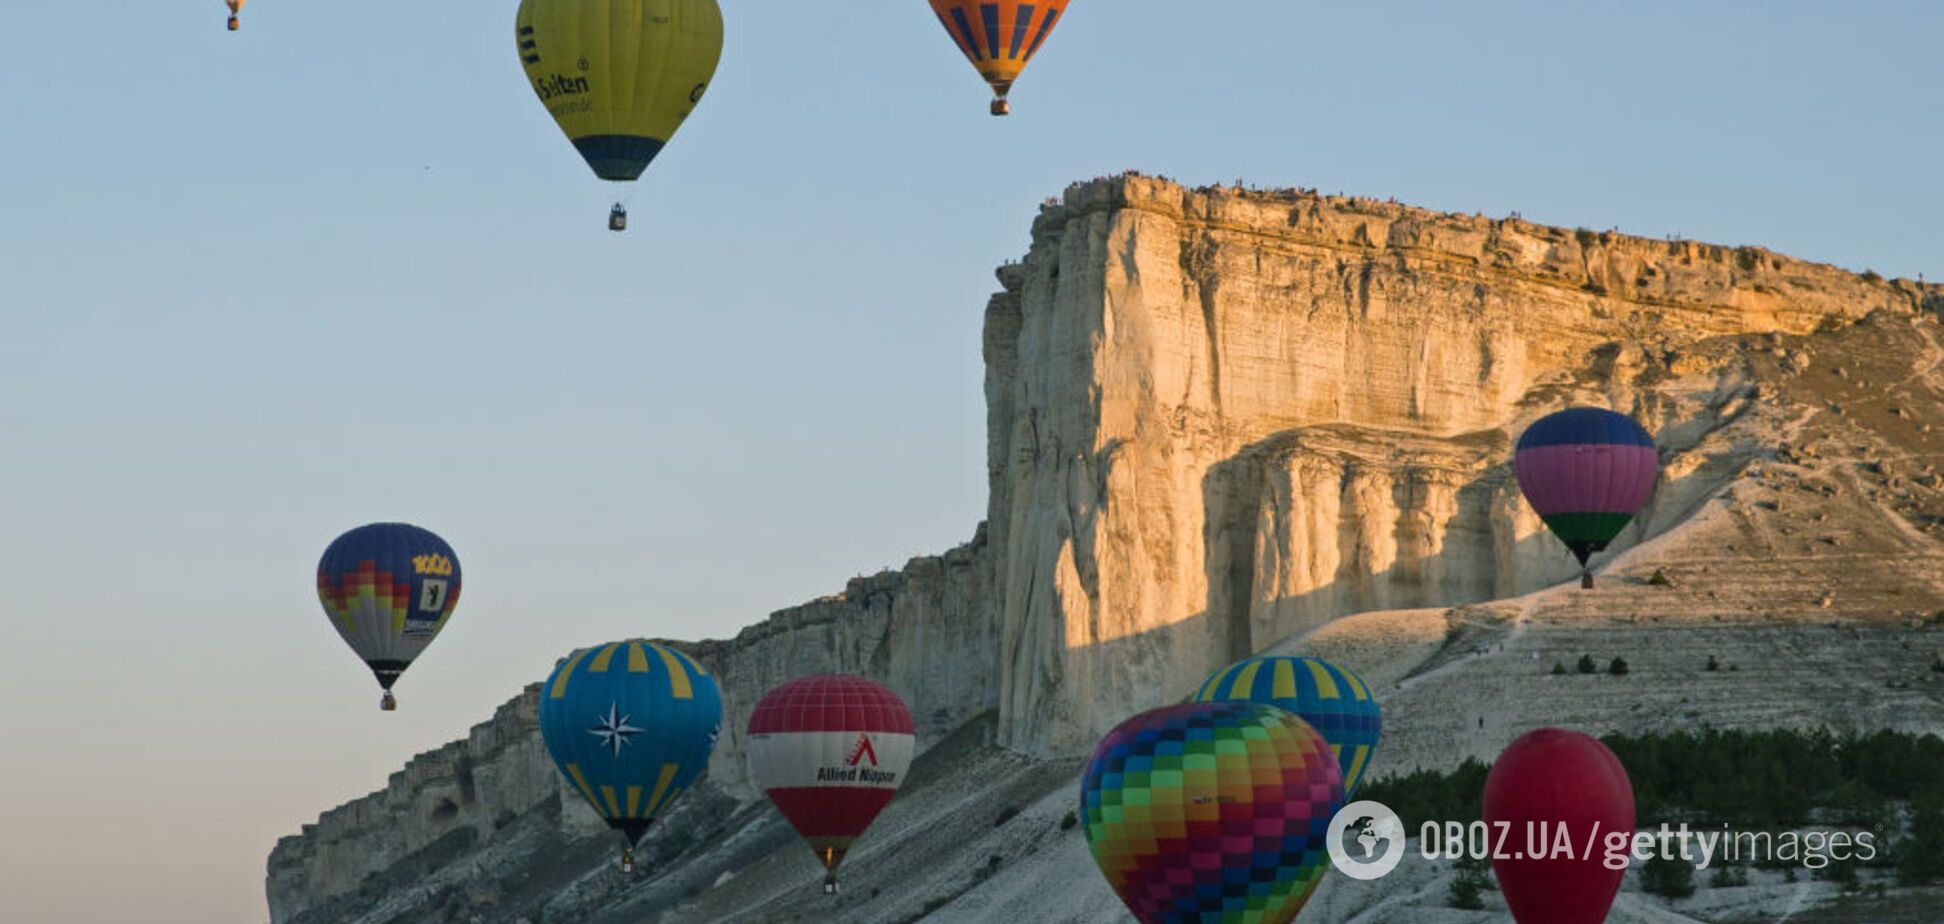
(389, 703)
(830, 883)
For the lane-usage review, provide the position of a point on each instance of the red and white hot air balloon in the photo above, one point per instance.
(830, 750)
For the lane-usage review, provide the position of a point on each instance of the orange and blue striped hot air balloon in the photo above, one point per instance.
(388, 588)
(1586, 471)
(999, 38)
(1336, 702)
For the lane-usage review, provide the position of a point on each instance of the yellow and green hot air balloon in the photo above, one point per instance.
(619, 75)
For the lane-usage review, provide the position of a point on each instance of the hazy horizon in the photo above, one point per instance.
(340, 267)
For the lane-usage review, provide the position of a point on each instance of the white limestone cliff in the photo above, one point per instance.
(1217, 420)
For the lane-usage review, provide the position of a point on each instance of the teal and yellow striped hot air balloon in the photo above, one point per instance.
(1334, 700)
(631, 724)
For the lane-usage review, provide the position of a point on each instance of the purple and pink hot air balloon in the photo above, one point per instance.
(1586, 471)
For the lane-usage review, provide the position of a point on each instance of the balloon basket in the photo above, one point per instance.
(618, 218)
(830, 885)
(389, 703)
(1586, 580)
(627, 861)
(232, 24)
(1001, 107)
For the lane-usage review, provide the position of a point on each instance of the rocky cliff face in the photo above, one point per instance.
(1217, 420)
(1218, 417)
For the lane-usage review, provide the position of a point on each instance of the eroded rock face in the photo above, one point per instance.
(1218, 417)
(1216, 420)
(455, 796)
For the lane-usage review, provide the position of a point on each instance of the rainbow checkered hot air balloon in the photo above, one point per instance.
(1586, 471)
(1334, 701)
(1211, 813)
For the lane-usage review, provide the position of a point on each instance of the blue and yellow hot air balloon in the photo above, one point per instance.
(631, 724)
(388, 588)
(1333, 700)
(999, 38)
(619, 76)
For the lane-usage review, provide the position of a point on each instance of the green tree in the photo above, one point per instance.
(1669, 878)
(1843, 872)
(1467, 891)
(1587, 666)
(1920, 857)
(1728, 875)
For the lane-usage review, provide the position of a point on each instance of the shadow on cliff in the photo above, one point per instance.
(1486, 546)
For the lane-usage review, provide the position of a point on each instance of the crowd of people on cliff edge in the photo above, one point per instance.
(1237, 188)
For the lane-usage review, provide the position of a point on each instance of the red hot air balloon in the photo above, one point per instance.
(1560, 791)
(830, 750)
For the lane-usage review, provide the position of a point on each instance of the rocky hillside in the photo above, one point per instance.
(1222, 421)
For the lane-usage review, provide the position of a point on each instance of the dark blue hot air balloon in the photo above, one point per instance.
(388, 588)
(631, 724)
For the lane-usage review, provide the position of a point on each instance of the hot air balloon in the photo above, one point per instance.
(1548, 784)
(999, 38)
(630, 724)
(619, 76)
(830, 751)
(1334, 701)
(1211, 812)
(235, 7)
(388, 588)
(1586, 471)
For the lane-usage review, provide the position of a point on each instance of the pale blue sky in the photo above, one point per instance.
(259, 288)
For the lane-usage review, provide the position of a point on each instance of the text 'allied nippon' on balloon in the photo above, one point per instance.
(1211, 813)
(830, 751)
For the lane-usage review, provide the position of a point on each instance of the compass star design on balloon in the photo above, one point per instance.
(613, 729)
